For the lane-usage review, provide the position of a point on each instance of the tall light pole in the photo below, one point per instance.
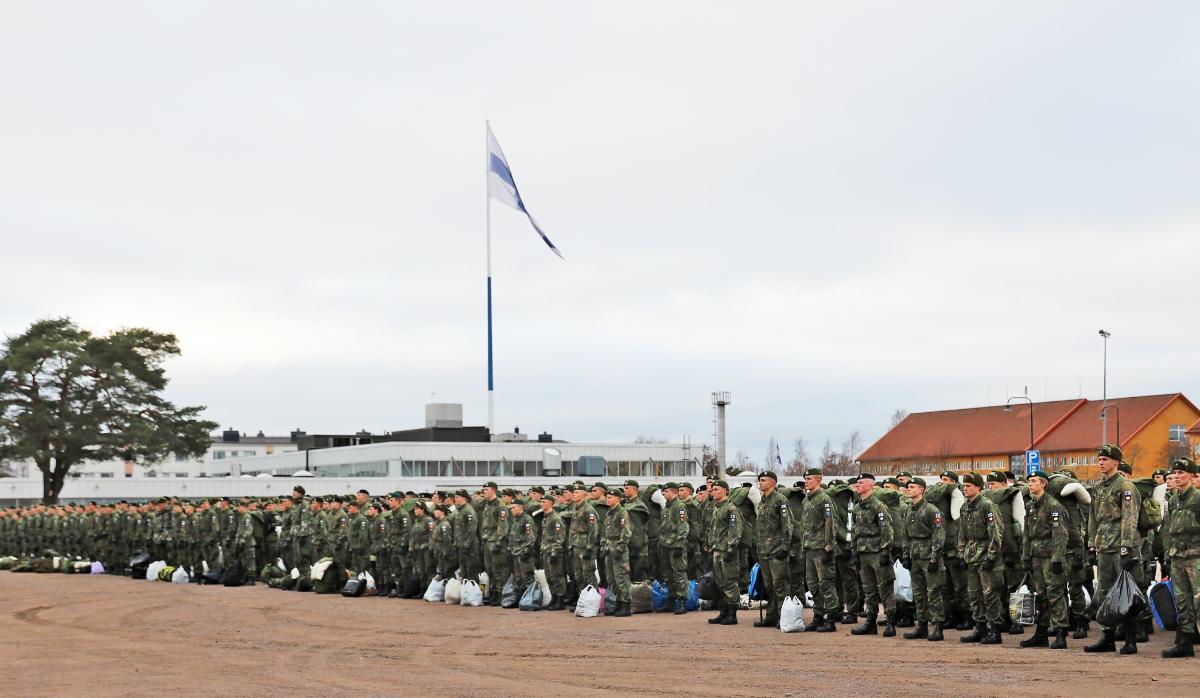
(1104, 392)
(1008, 408)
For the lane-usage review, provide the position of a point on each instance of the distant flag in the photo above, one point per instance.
(503, 188)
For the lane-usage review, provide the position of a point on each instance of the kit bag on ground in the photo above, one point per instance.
(153, 570)
(165, 573)
(436, 591)
(588, 605)
(412, 588)
(791, 615)
(708, 587)
(138, 564)
(693, 596)
(453, 591)
(234, 574)
(470, 594)
(1022, 606)
(531, 600)
(1121, 603)
(354, 587)
(645, 597)
(509, 596)
(1162, 605)
(608, 600)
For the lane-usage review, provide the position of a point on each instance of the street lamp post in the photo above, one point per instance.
(1104, 415)
(1104, 392)
(1008, 408)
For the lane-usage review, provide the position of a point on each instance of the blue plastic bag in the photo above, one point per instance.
(693, 597)
(756, 583)
(661, 595)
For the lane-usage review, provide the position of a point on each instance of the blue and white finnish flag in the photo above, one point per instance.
(503, 188)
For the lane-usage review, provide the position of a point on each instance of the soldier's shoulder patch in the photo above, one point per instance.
(827, 509)
(503, 515)
(783, 506)
(557, 526)
(591, 518)
(732, 517)
(937, 519)
(991, 516)
(881, 516)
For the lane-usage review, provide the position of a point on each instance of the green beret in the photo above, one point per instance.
(491, 484)
(866, 476)
(601, 485)
(632, 483)
(950, 474)
(1110, 451)
(893, 481)
(996, 476)
(722, 484)
(973, 479)
(568, 488)
(538, 488)
(768, 473)
(812, 471)
(687, 485)
(462, 493)
(1125, 468)
(396, 495)
(904, 473)
(1184, 464)
(918, 482)
(1040, 473)
(1160, 471)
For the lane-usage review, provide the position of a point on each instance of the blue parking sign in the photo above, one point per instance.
(1033, 461)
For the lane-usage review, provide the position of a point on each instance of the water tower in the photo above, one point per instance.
(719, 401)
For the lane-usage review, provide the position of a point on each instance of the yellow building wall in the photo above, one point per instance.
(1146, 451)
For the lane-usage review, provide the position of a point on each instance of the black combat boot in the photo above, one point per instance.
(1183, 647)
(867, 628)
(720, 606)
(1143, 631)
(935, 635)
(1081, 627)
(556, 604)
(889, 627)
(731, 617)
(921, 632)
(906, 617)
(1106, 643)
(1131, 639)
(980, 632)
(1039, 639)
(964, 622)
(680, 606)
(770, 621)
(818, 619)
(827, 625)
(848, 618)
(993, 636)
(622, 609)
(1011, 627)
(1060, 639)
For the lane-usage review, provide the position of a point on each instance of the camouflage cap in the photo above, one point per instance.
(1110, 451)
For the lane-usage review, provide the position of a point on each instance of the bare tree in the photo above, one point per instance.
(772, 455)
(898, 416)
(801, 460)
(852, 446)
(643, 439)
(1133, 453)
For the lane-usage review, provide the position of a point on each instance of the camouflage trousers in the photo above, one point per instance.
(1185, 573)
(1051, 591)
(616, 563)
(986, 590)
(798, 570)
(822, 581)
(726, 576)
(522, 572)
(695, 560)
(639, 560)
(849, 589)
(556, 574)
(468, 562)
(776, 581)
(1079, 574)
(583, 569)
(498, 563)
(878, 583)
(927, 588)
(954, 594)
(677, 580)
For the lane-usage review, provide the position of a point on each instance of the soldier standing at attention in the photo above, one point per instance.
(819, 536)
(584, 540)
(695, 529)
(617, 532)
(873, 539)
(925, 538)
(553, 546)
(673, 540)
(980, 541)
(522, 544)
(1113, 536)
(1045, 555)
(773, 537)
(466, 535)
(443, 542)
(1182, 541)
(725, 535)
(493, 529)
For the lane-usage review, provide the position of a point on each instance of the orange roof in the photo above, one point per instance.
(1081, 431)
(975, 431)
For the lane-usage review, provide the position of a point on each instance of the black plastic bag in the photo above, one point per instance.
(1122, 602)
(708, 587)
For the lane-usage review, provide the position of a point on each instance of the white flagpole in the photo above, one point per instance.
(488, 214)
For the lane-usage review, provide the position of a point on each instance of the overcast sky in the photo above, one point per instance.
(831, 210)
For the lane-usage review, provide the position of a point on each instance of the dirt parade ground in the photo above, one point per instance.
(66, 635)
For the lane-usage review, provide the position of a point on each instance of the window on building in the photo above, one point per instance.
(180, 458)
(1176, 432)
(218, 455)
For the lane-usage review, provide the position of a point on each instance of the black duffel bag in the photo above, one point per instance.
(234, 574)
(708, 587)
(138, 564)
(354, 587)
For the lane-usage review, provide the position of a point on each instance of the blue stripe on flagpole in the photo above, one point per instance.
(489, 330)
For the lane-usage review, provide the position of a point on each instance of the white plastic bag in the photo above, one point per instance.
(317, 572)
(453, 591)
(153, 570)
(1022, 606)
(902, 587)
(369, 580)
(483, 582)
(588, 605)
(539, 576)
(180, 576)
(791, 615)
(83, 567)
(472, 595)
(295, 573)
(436, 591)
(97, 567)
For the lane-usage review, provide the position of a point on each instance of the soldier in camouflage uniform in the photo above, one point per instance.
(773, 540)
(584, 539)
(493, 529)
(672, 541)
(873, 539)
(724, 537)
(955, 597)
(617, 532)
(1181, 542)
(695, 530)
(819, 536)
(1113, 536)
(980, 543)
(466, 536)
(420, 544)
(924, 541)
(1045, 555)
(553, 544)
(521, 545)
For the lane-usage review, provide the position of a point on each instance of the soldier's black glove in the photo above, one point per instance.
(885, 560)
(906, 562)
(989, 564)
(1128, 563)
(827, 557)
(897, 551)
(1056, 567)
(730, 557)
(933, 565)
(781, 554)
(1077, 565)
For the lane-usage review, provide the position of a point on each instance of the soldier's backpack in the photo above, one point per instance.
(1150, 515)
(1162, 605)
(354, 587)
(708, 587)
(412, 588)
(234, 574)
